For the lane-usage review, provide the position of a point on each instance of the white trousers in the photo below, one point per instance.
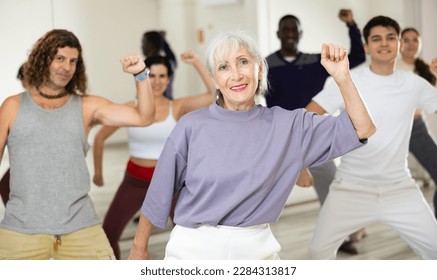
(351, 206)
(222, 243)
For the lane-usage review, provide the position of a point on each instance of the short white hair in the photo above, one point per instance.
(232, 41)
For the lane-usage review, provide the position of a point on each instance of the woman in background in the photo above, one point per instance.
(422, 144)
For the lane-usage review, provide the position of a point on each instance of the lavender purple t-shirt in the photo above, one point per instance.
(237, 168)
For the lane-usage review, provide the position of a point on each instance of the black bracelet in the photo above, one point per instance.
(142, 75)
(145, 67)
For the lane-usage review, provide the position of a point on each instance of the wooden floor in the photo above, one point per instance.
(293, 230)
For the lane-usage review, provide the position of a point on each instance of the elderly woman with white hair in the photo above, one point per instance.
(233, 164)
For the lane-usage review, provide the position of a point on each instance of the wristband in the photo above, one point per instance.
(142, 75)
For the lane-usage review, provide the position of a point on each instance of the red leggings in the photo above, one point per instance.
(126, 203)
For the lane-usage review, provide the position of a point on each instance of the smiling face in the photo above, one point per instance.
(63, 67)
(289, 34)
(410, 44)
(382, 45)
(236, 76)
(159, 79)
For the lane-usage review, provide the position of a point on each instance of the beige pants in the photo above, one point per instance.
(222, 243)
(351, 206)
(85, 244)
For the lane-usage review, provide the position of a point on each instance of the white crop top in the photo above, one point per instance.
(147, 142)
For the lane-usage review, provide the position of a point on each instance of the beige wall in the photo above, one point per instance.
(428, 11)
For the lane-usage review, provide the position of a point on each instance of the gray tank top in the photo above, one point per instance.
(49, 176)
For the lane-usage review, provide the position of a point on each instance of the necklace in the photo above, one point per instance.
(47, 96)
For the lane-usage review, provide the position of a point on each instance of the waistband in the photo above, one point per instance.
(228, 230)
(144, 173)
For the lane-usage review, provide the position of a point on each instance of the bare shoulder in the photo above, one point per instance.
(11, 104)
(9, 110)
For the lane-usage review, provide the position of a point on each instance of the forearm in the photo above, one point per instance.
(356, 109)
(146, 102)
(122, 115)
(139, 248)
(98, 156)
(98, 146)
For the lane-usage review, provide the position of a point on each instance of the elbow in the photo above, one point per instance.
(141, 121)
(145, 122)
(366, 133)
(147, 118)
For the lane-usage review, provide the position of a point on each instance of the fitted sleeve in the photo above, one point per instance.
(357, 54)
(168, 179)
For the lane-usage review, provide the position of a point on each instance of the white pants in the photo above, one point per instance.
(222, 243)
(351, 206)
